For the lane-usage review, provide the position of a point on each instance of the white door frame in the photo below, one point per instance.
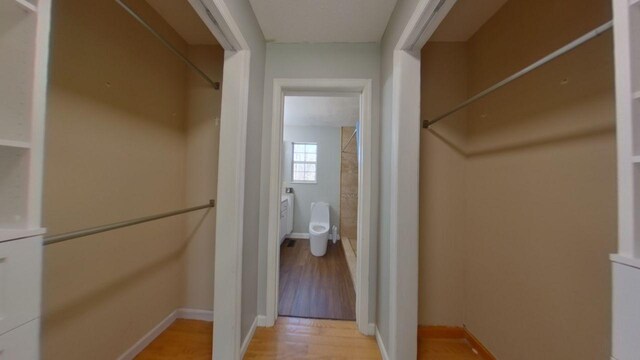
(405, 166)
(281, 87)
(231, 170)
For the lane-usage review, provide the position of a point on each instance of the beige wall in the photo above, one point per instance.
(203, 133)
(349, 187)
(118, 147)
(539, 209)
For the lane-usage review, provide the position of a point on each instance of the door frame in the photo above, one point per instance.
(281, 88)
(229, 203)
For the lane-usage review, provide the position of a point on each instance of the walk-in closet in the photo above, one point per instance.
(518, 186)
(133, 106)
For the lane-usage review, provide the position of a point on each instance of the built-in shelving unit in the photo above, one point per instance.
(626, 262)
(24, 44)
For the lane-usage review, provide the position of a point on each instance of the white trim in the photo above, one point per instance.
(247, 339)
(303, 236)
(381, 347)
(281, 87)
(231, 175)
(141, 344)
(262, 320)
(405, 151)
(194, 314)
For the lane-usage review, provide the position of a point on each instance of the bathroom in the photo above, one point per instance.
(319, 208)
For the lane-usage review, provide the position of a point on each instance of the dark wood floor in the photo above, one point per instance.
(315, 287)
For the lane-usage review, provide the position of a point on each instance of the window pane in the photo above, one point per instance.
(298, 148)
(310, 157)
(310, 168)
(310, 176)
(311, 148)
(298, 167)
(298, 157)
(298, 176)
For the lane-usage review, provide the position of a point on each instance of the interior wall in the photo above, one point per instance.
(243, 16)
(349, 186)
(119, 110)
(115, 150)
(539, 192)
(319, 61)
(442, 179)
(203, 135)
(327, 189)
(397, 22)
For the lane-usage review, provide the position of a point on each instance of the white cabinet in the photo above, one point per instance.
(20, 273)
(21, 343)
(24, 47)
(626, 262)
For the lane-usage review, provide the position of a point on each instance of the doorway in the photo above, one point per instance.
(360, 90)
(318, 211)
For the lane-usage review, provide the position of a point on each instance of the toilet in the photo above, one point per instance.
(319, 228)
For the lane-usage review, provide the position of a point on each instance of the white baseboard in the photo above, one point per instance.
(194, 314)
(262, 321)
(371, 331)
(247, 339)
(182, 313)
(141, 344)
(298, 236)
(383, 349)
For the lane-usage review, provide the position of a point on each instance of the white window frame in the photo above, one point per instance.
(294, 162)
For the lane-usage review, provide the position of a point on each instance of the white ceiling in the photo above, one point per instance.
(184, 20)
(465, 18)
(321, 110)
(322, 21)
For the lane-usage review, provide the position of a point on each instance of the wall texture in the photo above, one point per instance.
(349, 187)
(321, 61)
(119, 111)
(328, 173)
(203, 134)
(539, 206)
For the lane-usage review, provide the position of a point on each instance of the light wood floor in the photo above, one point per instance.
(293, 338)
(183, 340)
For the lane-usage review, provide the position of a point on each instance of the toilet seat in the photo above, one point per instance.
(319, 228)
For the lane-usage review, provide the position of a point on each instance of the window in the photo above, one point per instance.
(305, 160)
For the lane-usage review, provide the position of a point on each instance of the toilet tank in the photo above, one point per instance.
(320, 212)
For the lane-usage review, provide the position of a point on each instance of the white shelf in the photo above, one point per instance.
(15, 144)
(26, 5)
(624, 260)
(13, 234)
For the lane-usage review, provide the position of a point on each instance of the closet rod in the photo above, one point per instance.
(52, 239)
(349, 141)
(166, 43)
(563, 50)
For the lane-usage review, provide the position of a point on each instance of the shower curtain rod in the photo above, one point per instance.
(350, 138)
(166, 43)
(563, 50)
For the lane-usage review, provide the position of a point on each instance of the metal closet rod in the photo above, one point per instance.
(563, 50)
(166, 43)
(52, 239)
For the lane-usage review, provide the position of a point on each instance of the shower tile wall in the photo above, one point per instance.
(349, 189)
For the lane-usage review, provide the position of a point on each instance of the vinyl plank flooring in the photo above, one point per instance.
(315, 287)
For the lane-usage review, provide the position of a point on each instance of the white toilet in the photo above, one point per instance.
(319, 228)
